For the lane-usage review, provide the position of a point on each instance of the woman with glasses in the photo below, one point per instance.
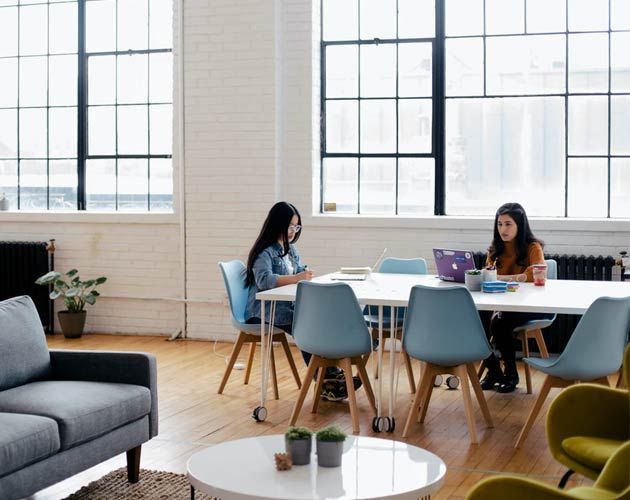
(273, 262)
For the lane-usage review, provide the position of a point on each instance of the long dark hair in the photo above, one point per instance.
(524, 234)
(275, 227)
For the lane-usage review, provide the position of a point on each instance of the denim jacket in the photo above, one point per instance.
(268, 266)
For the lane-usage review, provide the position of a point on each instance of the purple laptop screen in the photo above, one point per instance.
(452, 264)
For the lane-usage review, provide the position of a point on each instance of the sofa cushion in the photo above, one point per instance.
(82, 410)
(25, 439)
(23, 348)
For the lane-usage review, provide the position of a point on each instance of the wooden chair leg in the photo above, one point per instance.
(228, 369)
(318, 388)
(289, 355)
(250, 362)
(544, 392)
(540, 341)
(425, 402)
(274, 374)
(620, 383)
(483, 404)
(346, 366)
(410, 378)
(528, 374)
(306, 383)
(427, 375)
(468, 407)
(133, 464)
(367, 386)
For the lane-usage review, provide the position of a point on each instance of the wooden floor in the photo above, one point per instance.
(193, 416)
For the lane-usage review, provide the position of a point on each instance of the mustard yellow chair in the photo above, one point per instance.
(612, 484)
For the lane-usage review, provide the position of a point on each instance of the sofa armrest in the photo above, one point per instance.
(136, 368)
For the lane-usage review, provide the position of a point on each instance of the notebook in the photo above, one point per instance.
(356, 273)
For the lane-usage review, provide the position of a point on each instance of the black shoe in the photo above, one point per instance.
(508, 384)
(356, 381)
(491, 380)
(334, 390)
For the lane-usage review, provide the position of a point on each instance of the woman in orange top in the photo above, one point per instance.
(513, 251)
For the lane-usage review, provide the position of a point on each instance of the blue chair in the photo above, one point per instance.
(234, 277)
(443, 329)
(594, 351)
(329, 324)
(395, 265)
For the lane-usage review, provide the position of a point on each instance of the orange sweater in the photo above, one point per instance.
(507, 265)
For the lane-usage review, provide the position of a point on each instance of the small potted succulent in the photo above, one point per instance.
(330, 446)
(298, 442)
(473, 279)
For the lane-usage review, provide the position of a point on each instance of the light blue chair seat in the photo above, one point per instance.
(535, 324)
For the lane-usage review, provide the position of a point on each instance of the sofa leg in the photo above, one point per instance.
(133, 464)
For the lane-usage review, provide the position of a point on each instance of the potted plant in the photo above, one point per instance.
(330, 446)
(298, 442)
(76, 294)
(473, 279)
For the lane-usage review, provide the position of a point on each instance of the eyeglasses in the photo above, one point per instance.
(294, 229)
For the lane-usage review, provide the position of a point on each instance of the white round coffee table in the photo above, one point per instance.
(371, 468)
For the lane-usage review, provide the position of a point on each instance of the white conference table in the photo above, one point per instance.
(392, 290)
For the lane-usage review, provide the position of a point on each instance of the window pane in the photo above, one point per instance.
(63, 28)
(161, 24)
(588, 15)
(33, 30)
(620, 62)
(415, 69)
(62, 80)
(588, 187)
(340, 19)
(102, 130)
(161, 185)
(133, 17)
(33, 133)
(378, 185)
(8, 83)
(414, 125)
(378, 19)
(62, 130)
(378, 70)
(161, 128)
(505, 17)
(464, 17)
(342, 127)
(161, 77)
(9, 32)
(620, 187)
(464, 66)
(100, 179)
(33, 185)
(100, 31)
(505, 149)
(33, 81)
(544, 16)
(102, 80)
(8, 133)
(378, 126)
(620, 125)
(133, 79)
(63, 184)
(588, 125)
(526, 64)
(416, 18)
(588, 63)
(416, 186)
(620, 14)
(342, 71)
(340, 184)
(133, 185)
(132, 130)
(9, 181)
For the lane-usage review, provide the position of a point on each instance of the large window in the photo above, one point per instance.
(456, 106)
(86, 104)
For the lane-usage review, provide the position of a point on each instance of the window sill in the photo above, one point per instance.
(90, 217)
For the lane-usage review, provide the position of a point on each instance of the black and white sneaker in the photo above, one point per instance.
(356, 381)
(334, 390)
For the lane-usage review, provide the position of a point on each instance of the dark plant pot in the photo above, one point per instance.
(72, 324)
(329, 453)
(300, 450)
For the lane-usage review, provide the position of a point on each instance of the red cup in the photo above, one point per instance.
(540, 274)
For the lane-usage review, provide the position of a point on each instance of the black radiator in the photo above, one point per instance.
(21, 263)
(570, 267)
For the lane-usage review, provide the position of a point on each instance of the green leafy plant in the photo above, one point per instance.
(295, 433)
(473, 272)
(331, 434)
(75, 293)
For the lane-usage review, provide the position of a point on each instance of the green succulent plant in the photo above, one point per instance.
(473, 272)
(295, 433)
(331, 434)
(75, 293)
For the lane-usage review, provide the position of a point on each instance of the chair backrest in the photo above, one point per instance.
(552, 269)
(328, 321)
(615, 476)
(443, 326)
(394, 265)
(596, 346)
(234, 277)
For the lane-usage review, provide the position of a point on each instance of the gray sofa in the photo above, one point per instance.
(62, 412)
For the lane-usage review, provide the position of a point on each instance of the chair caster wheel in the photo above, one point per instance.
(259, 414)
(377, 424)
(452, 382)
(391, 424)
(438, 381)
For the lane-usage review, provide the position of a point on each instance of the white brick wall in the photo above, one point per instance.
(251, 137)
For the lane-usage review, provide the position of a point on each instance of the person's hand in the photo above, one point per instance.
(307, 275)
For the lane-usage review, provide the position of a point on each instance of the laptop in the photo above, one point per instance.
(452, 264)
(356, 273)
